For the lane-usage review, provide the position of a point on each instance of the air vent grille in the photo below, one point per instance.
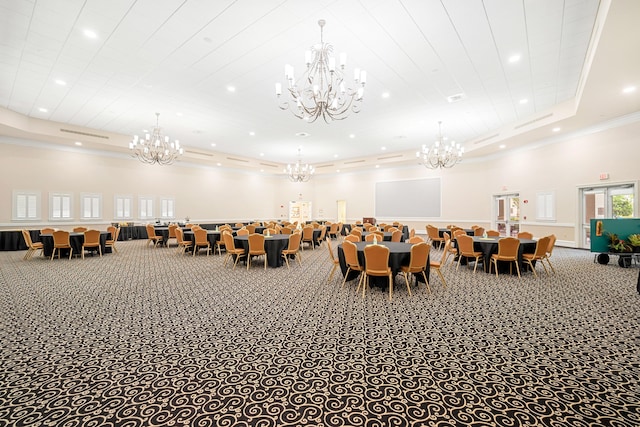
(390, 157)
(533, 121)
(353, 162)
(480, 141)
(76, 132)
(237, 160)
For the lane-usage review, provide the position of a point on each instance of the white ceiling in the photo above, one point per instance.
(178, 58)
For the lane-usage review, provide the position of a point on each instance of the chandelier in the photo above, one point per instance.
(322, 91)
(299, 172)
(440, 154)
(155, 148)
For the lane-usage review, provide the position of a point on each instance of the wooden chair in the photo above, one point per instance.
(242, 232)
(541, 251)
(478, 231)
(335, 261)
(292, 249)
(552, 244)
(322, 236)
(350, 251)
(434, 236)
(269, 231)
(239, 224)
(417, 264)
(450, 249)
(172, 233)
(79, 229)
(377, 265)
(285, 230)
(152, 237)
(525, 235)
(91, 240)
(220, 242)
(47, 230)
(369, 237)
(415, 239)
(183, 244)
(61, 241)
(307, 236)
(465, 250)
(231, 249)
(256, 248)
(507, 251)
(201, 241)
(31, 246)
(437, 265)
(396, 236)
(334, 230)
(493, 233)
(112, 239)
(251, 228)
(354, 238)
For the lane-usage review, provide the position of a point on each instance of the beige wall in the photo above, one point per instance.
(215, 194)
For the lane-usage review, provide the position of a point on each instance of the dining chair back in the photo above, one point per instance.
(183, 244)
(251, 228)
(457, 232)
(200, 241)
(540, 253)
(91, 241)
(322, 236)
(396, 236)
(478, 231)
(552, 244)
(242, 232)
(47, 230)
(151, 235)
(525, 235)
(415, 239)
(507, 252)
(433, 235)
(450, 249)
(112, 238)
(354, 238)
(376, 262)
(232, 251)
(32, 246)
(465, 250)
(334, 260)
(61, 241)
(307, 236)
(350, 251)
(493, 233)
(292, 249)
(79, 229)
(437, 265)
(285, 230)
(172, 233)
(256, 248)
(417, 264)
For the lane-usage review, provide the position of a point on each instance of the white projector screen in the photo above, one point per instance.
(418, 198)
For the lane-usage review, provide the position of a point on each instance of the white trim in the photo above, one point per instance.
(94, 198)
(64, 197)
(28, 194)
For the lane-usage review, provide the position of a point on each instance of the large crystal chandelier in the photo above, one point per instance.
(322, 91)
(299, 172)
(155, 148)
(441, 154)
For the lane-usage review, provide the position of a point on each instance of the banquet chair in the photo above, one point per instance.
(242, 232)
(354, 238)
(61, 241)
(437, 265)
(552, 244)
(417, 264)
(239, 224)
(507, 251)
(172, 233)
(114, 232)
(195, 227)
(79, 229)
(350, 251)
(231, 249)
(465, 250)
(91, 240)
(415, 239)
(369, 237)
(334, 230)
(376, 261)
(292, 249)
(321, 237)
(220, 242)
(335, 261)
(200, 241)
(396, 236)
(450, 249)
(525, 235)
(412, 232)
(457, 232)
(269, 231)
(47, 230)
(493, 233)
(307, 236)
(285, 230)
(478, 231)
(434, 236)
(152, 237)
(256, 248)
(251, 228)
(32, 247)
(541, 251)
(183, 244)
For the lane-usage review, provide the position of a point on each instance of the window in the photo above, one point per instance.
(26, 205)
(546, 206)
(91, 206)
(146, 207)
(167, 206)
(60, 206)
(123, 207)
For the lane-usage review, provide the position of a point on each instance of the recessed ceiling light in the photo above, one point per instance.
(252, 133)
(261, 154)
(213, 144)
(78, 143)
(179, 114)
(43, 110)
(337, 170)
(383, 148)
(302, 134)
(335, 156)
(385, 94)
(524, 101)
(231, 88)
(261, 170)
(629, 89)
(556, 129)
(60, 82)
(514, 58)
(502, 146)
(218, 164)
(90, 34)
(352, 136)
(377, 166)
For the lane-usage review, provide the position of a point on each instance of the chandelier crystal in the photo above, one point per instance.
(441, 154)
(299, 172)
(322, 90)
(155, 147)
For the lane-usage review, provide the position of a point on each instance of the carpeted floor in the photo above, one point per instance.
(146, 337)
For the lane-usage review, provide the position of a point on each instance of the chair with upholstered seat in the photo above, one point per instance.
(256, 248)
(371, 236)
(540, 253)
(350, 251)
(465, 250)
(242, 232)
(152, 237)
(552, 244)
(434, 236)
(396, 236)
(231, 249)
(79, 229)
(47, 230)
(183, 244)
(292, 249)
(91, 241)
(376, 261)
(415, 239)
(269, 231)
(450, 249)
(285, 230)
(333, 230)
(323, 233)
(417, 264)
(201, 241)
(32, 246)
(335, 261)
(457, 232)
(112, 238)
(354, 238)
(251, 228)
(507, 252)
(493, 233)
(61, 241)
(478, 231)
(437, 265)
(172, 234)
(525, 235)
(307, 236)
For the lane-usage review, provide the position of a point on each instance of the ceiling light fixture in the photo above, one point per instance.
(440, 155)
(155, 148)
(322, 91)
(299, 172)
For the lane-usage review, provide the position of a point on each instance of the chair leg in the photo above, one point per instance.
(517, 268)
(532, 268)
(444, 282)
(391, 287)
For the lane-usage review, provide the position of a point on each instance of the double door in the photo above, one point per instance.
(507, 214)
(615, 201)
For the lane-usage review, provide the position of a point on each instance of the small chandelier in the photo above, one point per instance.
(299, 172)
(440, 154)
(322, 91)
(155, 148)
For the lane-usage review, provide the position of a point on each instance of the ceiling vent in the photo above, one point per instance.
(480, 141)
(390, 157)
(199, 153)
(353, 162)
(233, 159)
(530, 122)
(268, 165)
(325, 166)
(455, 98)
(75, 132)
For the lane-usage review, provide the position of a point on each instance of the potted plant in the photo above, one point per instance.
(616, 244)
(634, 241)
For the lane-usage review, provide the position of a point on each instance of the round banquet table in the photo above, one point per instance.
(489, 246)
(75, 240)
(273, 245)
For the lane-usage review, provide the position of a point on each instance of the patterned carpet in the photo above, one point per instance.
(146, 337)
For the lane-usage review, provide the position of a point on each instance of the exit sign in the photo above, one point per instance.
(604, 175)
